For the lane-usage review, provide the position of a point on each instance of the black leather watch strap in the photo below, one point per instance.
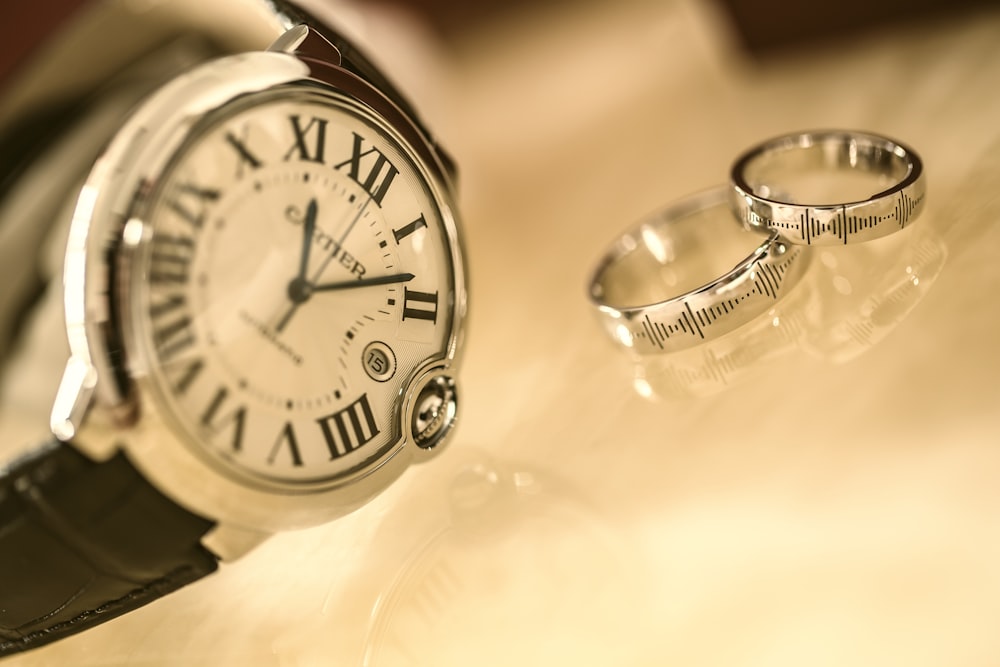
(83, 542)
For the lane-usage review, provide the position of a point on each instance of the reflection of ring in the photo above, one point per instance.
(728, 361)
(635, 286)
(765, 169)
(861, 295)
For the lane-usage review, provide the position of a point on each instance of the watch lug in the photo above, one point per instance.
(229, 542)
(305, 42)
(73, 399)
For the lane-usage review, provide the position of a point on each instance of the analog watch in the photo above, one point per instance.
(264, 296)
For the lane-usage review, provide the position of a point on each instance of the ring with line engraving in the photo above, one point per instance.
(881, 186)
(646, 287)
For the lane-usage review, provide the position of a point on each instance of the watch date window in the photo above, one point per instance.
(379, 361)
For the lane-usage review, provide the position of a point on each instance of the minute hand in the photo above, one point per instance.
(364, 282)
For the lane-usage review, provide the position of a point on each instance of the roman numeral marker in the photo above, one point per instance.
(350, 428)
(406, 230)
(189, 201)
(172, 330)
(286, 437)
(420, 305)
(374, 181)
(246, 157)
(170, 258)
(310, 144)
(183, 374)
(235, 420)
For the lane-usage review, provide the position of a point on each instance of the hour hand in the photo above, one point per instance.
(363, 282)
(308, 229)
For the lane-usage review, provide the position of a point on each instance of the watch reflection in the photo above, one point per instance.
(479, 552)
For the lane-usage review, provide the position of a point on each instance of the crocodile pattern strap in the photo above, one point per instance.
(83, 542)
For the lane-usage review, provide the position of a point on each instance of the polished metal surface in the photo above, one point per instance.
(767, 180)
(674, 322)
(101, 248)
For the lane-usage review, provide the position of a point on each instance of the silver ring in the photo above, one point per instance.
(640, 286)
(774, 166)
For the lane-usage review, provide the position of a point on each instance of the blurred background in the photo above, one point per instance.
(760, 27)
(817, 488)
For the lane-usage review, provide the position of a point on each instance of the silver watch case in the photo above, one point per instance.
(106, 403)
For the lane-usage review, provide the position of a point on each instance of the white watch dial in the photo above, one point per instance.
(297, 271)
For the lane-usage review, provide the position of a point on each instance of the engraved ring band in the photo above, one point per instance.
(767, 176)
(643, 287)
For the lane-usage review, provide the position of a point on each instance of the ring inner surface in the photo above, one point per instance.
(668, 258)
(834, 171)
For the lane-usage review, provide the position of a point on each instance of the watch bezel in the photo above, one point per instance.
(100, 306)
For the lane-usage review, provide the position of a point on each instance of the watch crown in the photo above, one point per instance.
(434, 412)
